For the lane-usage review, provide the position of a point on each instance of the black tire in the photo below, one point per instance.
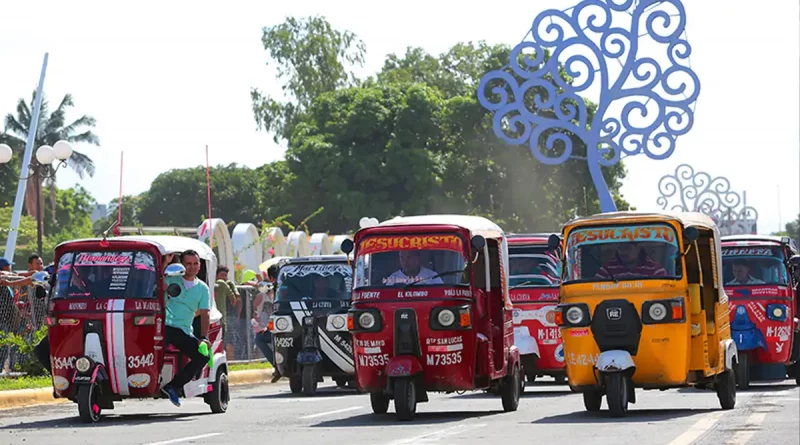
(531, 378)
(592, 400)
(726, 389)
(309, 381)
(295, 384)
(88, 409)
(405, 399)
(509, 393)
(379, 402)
(341, 383)
(220, 395)
(797, 373)
(743, 372)
(560, 379)
(617, 394)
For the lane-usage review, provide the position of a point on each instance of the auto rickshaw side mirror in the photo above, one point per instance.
(173, 290)
(478, 242)
(175, 270)
(553, 242)
(795, 260)
(691, 234)
(347, 246)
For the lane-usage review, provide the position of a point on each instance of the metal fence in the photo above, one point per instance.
(23, 314)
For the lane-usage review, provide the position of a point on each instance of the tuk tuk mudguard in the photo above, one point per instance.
(403, 366)
(525, 342)
(614, 361)
(731, 353)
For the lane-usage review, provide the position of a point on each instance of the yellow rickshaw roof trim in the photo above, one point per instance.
(686, 219)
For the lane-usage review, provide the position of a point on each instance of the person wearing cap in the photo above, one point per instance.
(5, 265)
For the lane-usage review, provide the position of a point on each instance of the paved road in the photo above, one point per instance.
(548, 414)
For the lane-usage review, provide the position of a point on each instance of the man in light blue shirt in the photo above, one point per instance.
(194, 298)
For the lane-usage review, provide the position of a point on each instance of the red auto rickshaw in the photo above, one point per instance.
(106, 323)
(431, 311)
(761, 282)
(534, 280)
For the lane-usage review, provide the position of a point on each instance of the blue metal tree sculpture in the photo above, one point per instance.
(691, 191)
(643, 105)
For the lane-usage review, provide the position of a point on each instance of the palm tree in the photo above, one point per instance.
(50, 129)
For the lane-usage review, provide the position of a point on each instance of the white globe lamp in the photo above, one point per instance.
(62, 150)
(45, 155)
(5, 153)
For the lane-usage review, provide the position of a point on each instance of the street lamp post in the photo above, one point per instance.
(45, 155)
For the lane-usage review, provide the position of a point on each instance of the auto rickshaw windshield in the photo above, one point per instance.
(533, 266)
(130, 274)
(622, 252)
(388, 261)
(321, 281)
(748, 266)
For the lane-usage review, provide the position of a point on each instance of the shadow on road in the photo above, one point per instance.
(633, 416)
(526, 395)
(106, 420)
(328, 391)
(754, 387)
(389, 419)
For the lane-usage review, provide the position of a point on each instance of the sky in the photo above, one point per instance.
(165, 79)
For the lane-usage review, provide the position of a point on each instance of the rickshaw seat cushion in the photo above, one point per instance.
(711, 327)
(695, 299)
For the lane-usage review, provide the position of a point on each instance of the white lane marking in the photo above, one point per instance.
(753, 422)
(438, 435)
(185, 439)
(328, 413)
(698, 429)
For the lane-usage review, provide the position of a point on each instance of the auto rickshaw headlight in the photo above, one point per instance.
(446, 317)
(657, 311)
(281, 323)
(338, 321)
(366, 320)
(574, 315)
(83, 364)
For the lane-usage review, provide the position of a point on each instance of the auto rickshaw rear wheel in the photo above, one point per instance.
(219, 396)
(726, 389)
(309, 381)
(593, 400)
(405, 398)
(560, 379)
(88, 408)
(510, 390)
(617, 394)
(379, 402)
(743, 372)
(295, 384)
(341, 383)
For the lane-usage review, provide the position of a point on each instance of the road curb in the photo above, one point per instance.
(19, 398)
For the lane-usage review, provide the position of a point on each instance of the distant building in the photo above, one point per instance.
(100, 211)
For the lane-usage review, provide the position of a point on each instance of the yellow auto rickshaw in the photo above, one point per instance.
(642, 305)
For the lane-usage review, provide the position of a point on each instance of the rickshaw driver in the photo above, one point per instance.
(631, 260)
(321, 289)
(180, 310)
(741, 274)
(411, 270)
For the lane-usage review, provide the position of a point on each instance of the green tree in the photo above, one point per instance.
(51, 128)
(73, 218)
(26, 238)
(313, 58)
(130, 213)
(793, 229)
(179, 197)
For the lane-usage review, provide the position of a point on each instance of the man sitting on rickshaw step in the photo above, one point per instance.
(180, 310)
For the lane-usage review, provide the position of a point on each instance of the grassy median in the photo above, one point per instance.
(9, 383)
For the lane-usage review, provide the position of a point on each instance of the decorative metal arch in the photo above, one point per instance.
(642, 109)
(690, 191)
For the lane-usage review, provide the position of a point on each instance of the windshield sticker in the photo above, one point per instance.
(747, 251)
(324, 270)
(418, 242)
(110, 259)
(618, 234)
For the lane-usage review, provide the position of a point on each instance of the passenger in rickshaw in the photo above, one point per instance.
(180, 314)
(411, 270)
(631, 260)
(741, 274)
(322, 289)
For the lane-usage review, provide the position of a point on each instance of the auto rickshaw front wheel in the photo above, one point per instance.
(593, 400)
(405, 398)
(617, 394)
(296, 384)
(743, 372)
(726, 389)
(379, 402)
(88, 408)
(510, 390)
(309, 381)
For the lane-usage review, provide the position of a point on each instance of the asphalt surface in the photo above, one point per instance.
(548, 414)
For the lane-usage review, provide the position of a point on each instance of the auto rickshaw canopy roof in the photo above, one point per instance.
(761, 239)
(686, 219)
(165, 243)
(477, 225)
